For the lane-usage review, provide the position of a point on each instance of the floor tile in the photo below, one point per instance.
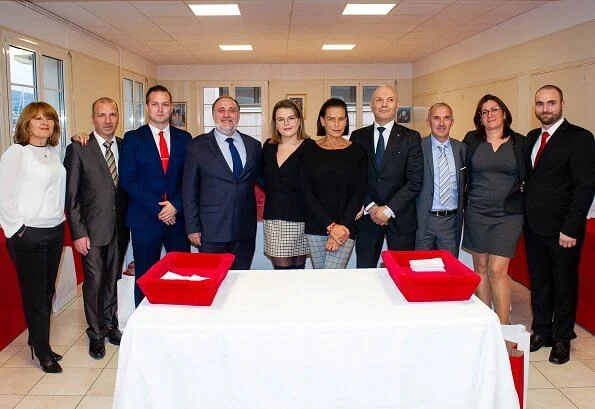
(537, 380)
(113, 363)
(78, 357)
(73, 381)
(547, 399)
(21, 339)
(583, 348)
(73, 317)
(572, 374)
(18, 381)
(105, 384)
(22, 359)
(49, 402)
(516, 286)
(581, 332)
(65, 335)
(541, 355)
(9, 401)
(96, 402)
(8, 352)
(589, 362)
(583, 398)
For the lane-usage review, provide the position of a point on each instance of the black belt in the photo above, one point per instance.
(443, 212)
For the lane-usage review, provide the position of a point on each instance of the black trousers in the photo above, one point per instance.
(243, 250)
(36, 256)
(553, 271)
(102, 267)
(369, 240)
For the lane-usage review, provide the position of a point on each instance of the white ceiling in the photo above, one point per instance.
(287, 31)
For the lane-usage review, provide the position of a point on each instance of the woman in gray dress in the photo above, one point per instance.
(494, 212)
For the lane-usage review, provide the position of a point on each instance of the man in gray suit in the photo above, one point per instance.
(440, 203)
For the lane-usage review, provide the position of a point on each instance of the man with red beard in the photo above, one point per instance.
(559, 191)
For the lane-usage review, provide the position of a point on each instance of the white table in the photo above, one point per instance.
(314, 339)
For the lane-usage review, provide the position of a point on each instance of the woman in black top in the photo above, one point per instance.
(334, 183)
(284, 209)
(494, 211)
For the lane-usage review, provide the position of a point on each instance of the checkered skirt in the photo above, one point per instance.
(284, 238)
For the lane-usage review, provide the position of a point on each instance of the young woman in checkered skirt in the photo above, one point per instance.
(284, 210)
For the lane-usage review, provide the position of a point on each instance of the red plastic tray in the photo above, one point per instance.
(457, 283)
(182, 292)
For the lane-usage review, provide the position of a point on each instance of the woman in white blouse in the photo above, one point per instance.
(33, 181)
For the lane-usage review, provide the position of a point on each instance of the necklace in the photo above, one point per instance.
(45, 149)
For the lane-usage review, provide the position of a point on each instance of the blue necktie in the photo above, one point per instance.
(380, 147)
(235, 158)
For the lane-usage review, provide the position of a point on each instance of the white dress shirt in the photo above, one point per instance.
(224, 147)
(33, 184)
(551, 131)
(385, 134)
(114, 147)
(166, 134)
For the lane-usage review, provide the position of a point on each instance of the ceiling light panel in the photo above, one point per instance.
(355, 9)
(239, 47)
(215, 9)
(337, 47)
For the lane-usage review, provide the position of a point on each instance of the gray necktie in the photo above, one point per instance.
(444, 176)
(111, 161)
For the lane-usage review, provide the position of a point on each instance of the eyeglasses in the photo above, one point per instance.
(291, 120)
(494, 111)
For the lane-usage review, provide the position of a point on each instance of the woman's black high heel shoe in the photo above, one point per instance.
(49, 365)
(57, 357)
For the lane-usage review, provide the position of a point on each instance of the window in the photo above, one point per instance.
(133, 112)
(357, 96)
(252, 118)
(35, 76)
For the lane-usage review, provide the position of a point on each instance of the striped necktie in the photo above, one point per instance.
(444, 176)
(111, 161)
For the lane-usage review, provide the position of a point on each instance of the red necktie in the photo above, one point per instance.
(544, 137)
(163, 152)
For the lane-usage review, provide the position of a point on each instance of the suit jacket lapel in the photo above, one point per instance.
(99, 156)
(212, 143)
(150, 142)
(429, 155)
(456, 153)
(249, 156)
(394, 141)
(554, 140)
(370, 148)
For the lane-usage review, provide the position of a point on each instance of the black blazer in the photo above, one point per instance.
(560, 189)
(94, 206)
(215, 204)
(399, 179)
(514, 200)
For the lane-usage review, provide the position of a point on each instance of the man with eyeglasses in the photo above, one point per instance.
(395, 173)
(439, 205)
(220, 170)
(559, 191)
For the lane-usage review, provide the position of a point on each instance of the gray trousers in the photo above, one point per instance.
(440, 234)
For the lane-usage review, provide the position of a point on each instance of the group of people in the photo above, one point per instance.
(324, 197)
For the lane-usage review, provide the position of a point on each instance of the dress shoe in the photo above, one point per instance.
(114, 336)
(49, 365)
(560, 352)
(97, 348)
(56, 356)
(538, 341)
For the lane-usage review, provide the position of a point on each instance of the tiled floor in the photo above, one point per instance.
(88, 383)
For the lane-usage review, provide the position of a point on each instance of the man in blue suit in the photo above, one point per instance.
(219, 174)
(151, 168)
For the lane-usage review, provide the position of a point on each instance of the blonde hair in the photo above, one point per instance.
(21, 132)
(289, 104)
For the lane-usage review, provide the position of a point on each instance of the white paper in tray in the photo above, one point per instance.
(175, 276)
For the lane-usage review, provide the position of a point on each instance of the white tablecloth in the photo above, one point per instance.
(314, 339)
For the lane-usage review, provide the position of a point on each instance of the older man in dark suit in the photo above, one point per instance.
(96, 206)
(559, 191)
(219, 174)
(395, 172)
(439, 205)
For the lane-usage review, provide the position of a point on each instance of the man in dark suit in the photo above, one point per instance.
(219, 174)
(151, 168)
(96, 205)
(440, 203)
(559, 191)
(395, 172)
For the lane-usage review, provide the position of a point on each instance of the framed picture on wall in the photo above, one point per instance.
(178, 115)
(404, 115)
(300, 101)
